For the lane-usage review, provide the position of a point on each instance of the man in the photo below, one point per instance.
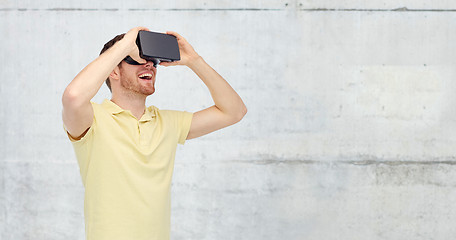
(126, 150)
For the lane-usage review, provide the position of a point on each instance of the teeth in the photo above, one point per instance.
(145, 75)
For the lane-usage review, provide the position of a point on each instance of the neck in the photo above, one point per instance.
(136, 104)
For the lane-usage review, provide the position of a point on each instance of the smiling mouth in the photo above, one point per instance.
(145, 76)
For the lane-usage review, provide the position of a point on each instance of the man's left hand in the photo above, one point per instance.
(187, 54)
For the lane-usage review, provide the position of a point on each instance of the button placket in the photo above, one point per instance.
(142, 133)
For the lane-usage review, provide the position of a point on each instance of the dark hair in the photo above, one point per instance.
(106, 47)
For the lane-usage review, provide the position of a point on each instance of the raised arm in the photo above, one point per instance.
(77, 111)
(229, 107)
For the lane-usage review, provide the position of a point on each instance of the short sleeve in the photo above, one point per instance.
(184, 121)
(86, 136)
(88, 133)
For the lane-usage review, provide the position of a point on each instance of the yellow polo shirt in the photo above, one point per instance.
(126, 167)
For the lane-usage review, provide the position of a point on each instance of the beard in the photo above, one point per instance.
(134, 85)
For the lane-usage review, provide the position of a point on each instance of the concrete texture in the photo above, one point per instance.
(350, 132)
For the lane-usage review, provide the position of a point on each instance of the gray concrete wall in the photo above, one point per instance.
(350, 132)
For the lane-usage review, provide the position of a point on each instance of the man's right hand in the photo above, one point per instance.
(130, 40)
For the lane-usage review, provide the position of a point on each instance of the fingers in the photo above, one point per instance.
(137, 29)
(167, 64)
(174, 34)
(134, 31)
(135, 55)
(138, 59)
(134, 51)
(177, 35)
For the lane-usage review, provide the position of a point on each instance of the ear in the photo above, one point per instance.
(115, 74)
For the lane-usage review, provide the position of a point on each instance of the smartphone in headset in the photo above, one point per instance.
(155, 46)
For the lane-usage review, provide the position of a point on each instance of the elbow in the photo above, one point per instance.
(71, 97)
(241, 113)
(68, 96)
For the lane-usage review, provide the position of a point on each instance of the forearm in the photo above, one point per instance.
(87, 83)
(224, 96)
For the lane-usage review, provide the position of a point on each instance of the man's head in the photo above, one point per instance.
(130, 75)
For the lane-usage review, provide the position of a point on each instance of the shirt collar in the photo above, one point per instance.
(114, 109)
(149, 113)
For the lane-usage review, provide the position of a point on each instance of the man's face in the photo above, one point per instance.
(138, 78)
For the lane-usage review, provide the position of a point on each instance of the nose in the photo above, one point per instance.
(149, 64)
